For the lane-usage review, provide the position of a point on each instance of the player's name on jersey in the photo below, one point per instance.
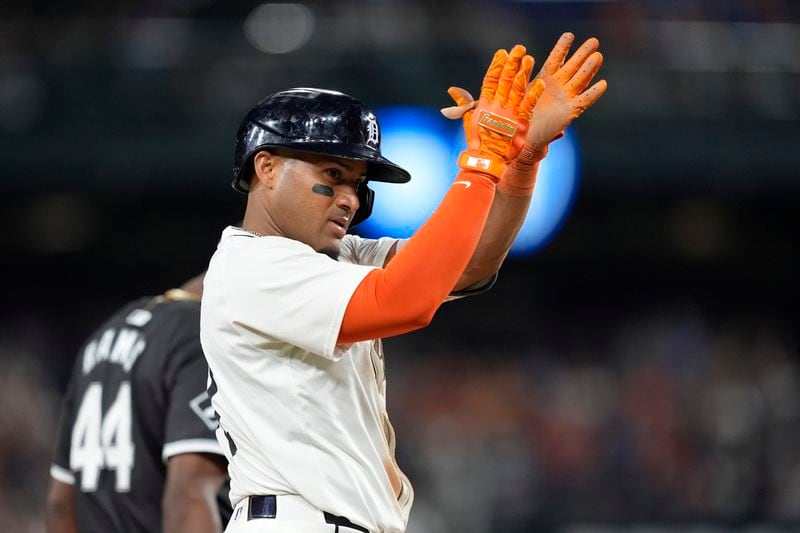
(121, 346)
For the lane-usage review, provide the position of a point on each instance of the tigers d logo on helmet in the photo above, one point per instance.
(373, 135)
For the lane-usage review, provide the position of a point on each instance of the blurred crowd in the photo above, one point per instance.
(29, 403)
(669, 419)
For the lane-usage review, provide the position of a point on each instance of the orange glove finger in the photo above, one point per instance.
(558, 54)
(457, 112)
(578, 58)
(525, 109)
(584, 76)
(508, 73)
(520, 82)
(490, 81)
(460, 96)
(588, 98)
(464, 104)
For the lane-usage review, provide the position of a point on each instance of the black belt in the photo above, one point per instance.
(262, 507)
(267, 507)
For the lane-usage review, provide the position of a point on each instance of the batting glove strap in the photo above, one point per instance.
(484, 165)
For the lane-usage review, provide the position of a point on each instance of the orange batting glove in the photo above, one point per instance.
(496, 125)
(565, 96)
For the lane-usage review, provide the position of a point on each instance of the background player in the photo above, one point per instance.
(292, 336)
(136, 449)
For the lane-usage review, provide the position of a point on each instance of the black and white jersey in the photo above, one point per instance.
(137, 396)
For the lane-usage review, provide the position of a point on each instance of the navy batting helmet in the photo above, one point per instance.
(318, 121)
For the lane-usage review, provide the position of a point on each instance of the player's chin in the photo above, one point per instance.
(331, 240)
(329, 245)
(331, 251)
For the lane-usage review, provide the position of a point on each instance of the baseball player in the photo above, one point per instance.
(294, 308)
(136, 449)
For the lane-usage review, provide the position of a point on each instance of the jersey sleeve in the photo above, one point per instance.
(190, 421)
(370, 252)
(59, 468)
(298, 298)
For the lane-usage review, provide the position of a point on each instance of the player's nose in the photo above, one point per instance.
(347, 199)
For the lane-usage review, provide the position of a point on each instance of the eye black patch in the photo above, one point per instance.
(324, 190)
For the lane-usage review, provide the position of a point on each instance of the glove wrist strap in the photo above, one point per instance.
(517, 182)
(484, 165)
(519, 178)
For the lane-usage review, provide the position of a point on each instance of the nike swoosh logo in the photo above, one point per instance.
(466, 184)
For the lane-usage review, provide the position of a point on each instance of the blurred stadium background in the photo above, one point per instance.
(637, 373)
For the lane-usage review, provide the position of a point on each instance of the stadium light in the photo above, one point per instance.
(426, 144)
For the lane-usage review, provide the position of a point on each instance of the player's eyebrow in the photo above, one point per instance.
(343, 164)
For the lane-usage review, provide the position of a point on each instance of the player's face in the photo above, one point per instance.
(316, 198)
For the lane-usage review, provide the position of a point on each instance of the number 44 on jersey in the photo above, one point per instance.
(99, 441)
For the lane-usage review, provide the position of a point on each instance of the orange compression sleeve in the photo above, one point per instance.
(404, 296)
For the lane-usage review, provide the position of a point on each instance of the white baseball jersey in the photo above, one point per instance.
(298, 413)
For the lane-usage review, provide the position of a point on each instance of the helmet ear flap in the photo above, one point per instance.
(366, 197)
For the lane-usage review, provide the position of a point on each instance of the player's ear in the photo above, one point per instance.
(264, 168)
